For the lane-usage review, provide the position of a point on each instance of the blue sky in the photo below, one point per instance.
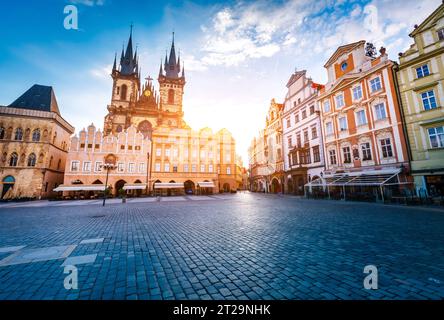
(238, 55)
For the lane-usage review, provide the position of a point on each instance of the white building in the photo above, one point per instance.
(302, 136)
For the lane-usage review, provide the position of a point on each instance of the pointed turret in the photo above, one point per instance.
(128, 61)
(171, 67)
(115, 63)
(160, 69)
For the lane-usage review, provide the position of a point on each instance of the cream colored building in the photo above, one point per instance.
(89, 150)
(33, 145)
(420, 78)
(265, 154)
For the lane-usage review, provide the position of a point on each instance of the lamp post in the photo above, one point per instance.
(107, 167)
(147, 173)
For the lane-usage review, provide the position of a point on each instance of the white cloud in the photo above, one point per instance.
(102, 72)
(89, 3)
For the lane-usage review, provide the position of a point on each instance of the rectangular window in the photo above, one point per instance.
(314, 132)
(185, 168)
(142, 167)
(357, 93)
(298, 140)
(307, 156)
(202, 168)
(75, 166)
(375, 84)
(228, 158)
(290, 142)
(158, 152)
(312, 110)
(327, 106)
(339, 101)
(436, 136)
(175, 152)
(120, 167)
(87, 166)
(306, 136)
(202, 154)
(366, 151)
(304, 114)
(174, 168)
(380, 111)
(296, 118)
(210, 168)
(332, 154)
(347, 154)
(193, 168)
(294, 158)
(428, 100)
(288, 123)
(157, 167)
(329, 128)
(343, 124)
(167, 152)
(422, 71)
(228, 170)
(131, 167)
(361, 119)
(441, 34)
(167, 167)
(98, 166)
(316, 154)
(386, 147)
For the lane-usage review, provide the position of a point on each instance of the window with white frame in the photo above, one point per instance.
(380, 111)
(75, 166)
(343, 124)
(375, 84)
(131, 167)
(193, 168)
(347, 154)
(332, 154)
(185, 168)
(329, 128)
(142, 167)
(167, 152)
(210, 168)
(361, 119)
(357, 93)
(422, 71)
(158, 152)
(120, 167)
(202, 168)
(167, 167)
(227, 157)
(98, 166)
(340, 101)
(366, 151)
(290, 142)
(86, 166)
(386, 148)
(157, 167)
(202, 154)
(296, 118)
(436, 136)
(228, 170)
(288, 123)
(327, 106)
(428, 100)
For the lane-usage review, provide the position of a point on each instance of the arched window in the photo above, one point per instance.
(19, 134)
(36, 135)
(123, 92)
(32, 160)
(13, 160)
(2, 133)
(171, 96)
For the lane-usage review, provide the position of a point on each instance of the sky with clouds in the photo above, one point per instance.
(238, 55)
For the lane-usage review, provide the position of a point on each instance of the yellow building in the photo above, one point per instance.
(33, 145)
(420, 77)
(182, 160)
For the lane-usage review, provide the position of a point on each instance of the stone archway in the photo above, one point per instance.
(275, 186)
(226, 187)
(8, 184)
(190, 187)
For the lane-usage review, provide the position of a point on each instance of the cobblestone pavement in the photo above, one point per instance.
(244, 246)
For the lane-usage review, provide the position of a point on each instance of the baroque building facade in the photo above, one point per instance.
(181, 159)
(362, 121)
(420, 78)
(34, 142)
(302, 138)
(265, 154)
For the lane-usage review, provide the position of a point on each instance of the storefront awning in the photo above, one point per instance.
(80, 187)
(134, 186)
(168, 185)
(206, 184)
(374, 178)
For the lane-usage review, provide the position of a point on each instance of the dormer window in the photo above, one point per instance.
(344, 66)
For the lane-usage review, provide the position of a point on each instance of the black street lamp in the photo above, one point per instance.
(107, 167)
(147, 173)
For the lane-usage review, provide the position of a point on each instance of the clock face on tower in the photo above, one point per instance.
(147, 93)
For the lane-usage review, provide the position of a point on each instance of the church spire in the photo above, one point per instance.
(115, 62)
(172, 68)
(128, 61)
(160, 69)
